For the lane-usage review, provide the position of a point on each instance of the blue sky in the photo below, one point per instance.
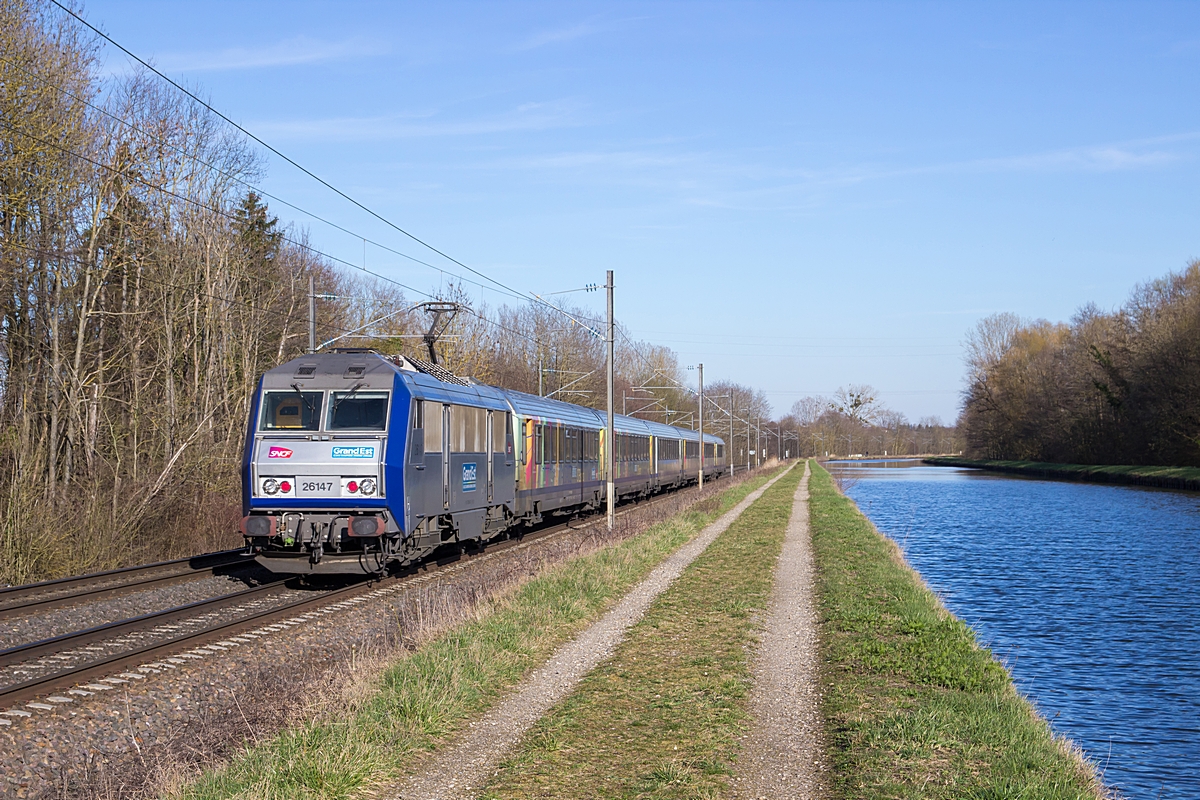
(861, 182)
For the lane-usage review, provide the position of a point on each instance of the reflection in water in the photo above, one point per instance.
(1089, 593)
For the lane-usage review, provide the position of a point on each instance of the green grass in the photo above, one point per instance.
(1164, 477)
(661, 718)
(427, 696)
(914, 707)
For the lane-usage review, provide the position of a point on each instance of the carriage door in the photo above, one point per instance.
(491, 455)
(577, 472)
(446, 457)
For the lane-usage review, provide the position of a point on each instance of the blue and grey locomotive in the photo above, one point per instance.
(355, 460)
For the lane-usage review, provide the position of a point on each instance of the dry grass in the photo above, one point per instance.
(96, 525)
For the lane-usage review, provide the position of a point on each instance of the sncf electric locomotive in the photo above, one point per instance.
(354, 461)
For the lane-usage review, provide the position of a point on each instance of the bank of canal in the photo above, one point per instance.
(1089, 593)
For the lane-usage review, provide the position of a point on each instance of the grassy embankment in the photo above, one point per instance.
(381, 733)
(1161, 477)
(914, 707)
(660, 719)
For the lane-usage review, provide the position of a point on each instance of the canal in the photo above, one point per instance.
(1089, 593)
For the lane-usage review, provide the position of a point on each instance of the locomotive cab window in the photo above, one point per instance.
(291, 411)
(358, 411)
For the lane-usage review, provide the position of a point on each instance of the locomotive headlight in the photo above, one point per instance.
(270, 486)
(367, 486)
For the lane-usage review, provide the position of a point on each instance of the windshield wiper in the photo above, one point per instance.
(346, 396)
(311, 408)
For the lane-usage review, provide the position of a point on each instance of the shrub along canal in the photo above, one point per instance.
(1090, 594)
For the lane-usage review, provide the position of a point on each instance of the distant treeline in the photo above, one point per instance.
(854, 422)
(1119, 387)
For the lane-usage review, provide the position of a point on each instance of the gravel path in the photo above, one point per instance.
(783, 756)
(461, 769)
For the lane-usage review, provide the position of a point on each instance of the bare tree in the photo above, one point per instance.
(858, 402)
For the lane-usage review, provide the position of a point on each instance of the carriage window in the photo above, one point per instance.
(501, 429)
(358, 411)
(416, 440)
(431, 416)
(291, 411)
(468, 429)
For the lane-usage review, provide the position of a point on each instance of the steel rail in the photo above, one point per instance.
(35, 687)
(107, 665)
(99, 633)
(33, 597)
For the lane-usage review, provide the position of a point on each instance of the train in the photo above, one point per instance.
(357, 462)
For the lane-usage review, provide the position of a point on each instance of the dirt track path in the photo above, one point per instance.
(782, 756)
(461, 769)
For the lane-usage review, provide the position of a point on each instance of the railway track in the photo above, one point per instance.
(38, 597)
(36, 669)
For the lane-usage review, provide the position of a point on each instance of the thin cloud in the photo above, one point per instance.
(608, 159)
(705, 179)
(588, 27)
(526, 117)
(1186, 47)
(559, 35)
(1149, 153)
(1135, 154)
(289, 52)
(1104, 158)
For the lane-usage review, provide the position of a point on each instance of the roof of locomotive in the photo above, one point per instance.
(370, 370)
(331, 371)
(427, 387)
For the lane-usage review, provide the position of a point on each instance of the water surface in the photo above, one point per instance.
(1089, 593)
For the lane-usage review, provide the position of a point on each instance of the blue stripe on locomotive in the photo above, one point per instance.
(248, 448)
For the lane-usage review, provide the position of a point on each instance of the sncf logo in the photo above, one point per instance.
(279, 452)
